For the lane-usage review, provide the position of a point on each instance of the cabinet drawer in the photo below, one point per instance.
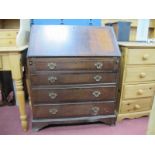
(136, 105)
(8, 34)
(73, 110)
(47, 78)
(138, 91)
(141, 56)
(72, 64)
(7, 42)
(93, 93)
(1, 64)
(139, 74)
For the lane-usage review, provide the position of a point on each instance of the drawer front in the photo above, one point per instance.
(72, 78)
(95, 93)
(1, 64)
(8, 34)
(141, 56)
(7, 42)
(72, 64)
(130, 106)
(138, 74)
(73, 110)
(138, 91)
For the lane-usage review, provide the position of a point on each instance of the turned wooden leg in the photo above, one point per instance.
(21, 101)
(17, 74)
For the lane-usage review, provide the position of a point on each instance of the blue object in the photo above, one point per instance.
(82, 22)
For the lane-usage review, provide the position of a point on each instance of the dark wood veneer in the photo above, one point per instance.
(73, 74)
(67, 78)
(73, 110)
(67, 94)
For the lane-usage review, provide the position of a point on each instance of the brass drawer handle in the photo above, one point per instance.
(53, 95)
(96, 93)
(30, 63)
(95, 110)
(145, 57)
(97, 78)
(52, 79)
(51, 65)
(53, 111)
(142, 75)
(140, 92)
(98, 65)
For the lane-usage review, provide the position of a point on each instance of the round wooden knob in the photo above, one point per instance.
(142, 75)
(10, 42)
(140, 92)
(145, 57)
(137, 106)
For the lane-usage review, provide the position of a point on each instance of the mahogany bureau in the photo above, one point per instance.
(73, 74)
(137, 87)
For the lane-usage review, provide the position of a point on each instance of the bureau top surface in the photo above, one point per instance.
(60, 40)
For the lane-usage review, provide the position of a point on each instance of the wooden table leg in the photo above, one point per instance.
(151, 124)
(17, 74)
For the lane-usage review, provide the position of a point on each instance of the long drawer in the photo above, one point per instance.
(73, 110)
(1, 63)
(8, 34)
(73, 64)
(141, 56)
(138, 91)
(131, 106)
(138, 74)
(73, 94)
(7, 42)
(59, 78)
